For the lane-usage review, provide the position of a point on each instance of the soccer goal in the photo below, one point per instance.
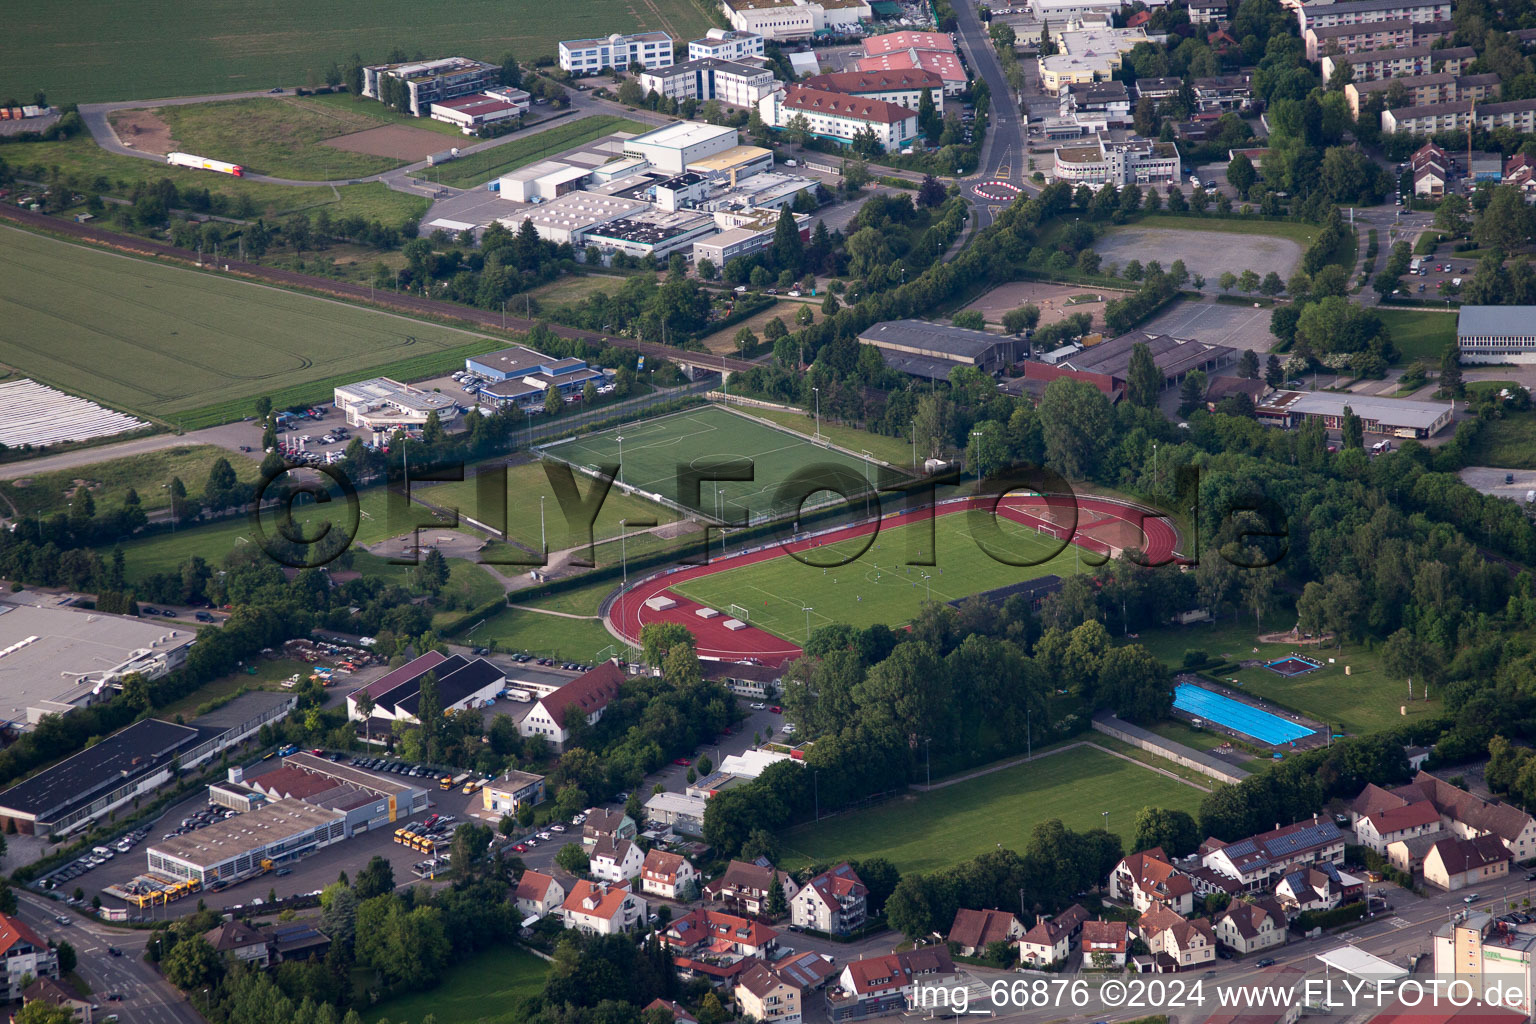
(736, 611)
(1046, 530)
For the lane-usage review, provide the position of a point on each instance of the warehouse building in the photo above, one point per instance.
(772, 19)
(1496, 334)
(53, 660)
(1174, 357)
(432, 81)
(736, 162)
(461, 683)
(482, 108)
(573, 215)
(1399, 417)
(387, 405)
(652, 232)
(673, 147)
(545, 180)
(736, 83)
(229, 850)
(236, 722)
(726, 44)
(367, 801)
(933, 350)
(590, 56)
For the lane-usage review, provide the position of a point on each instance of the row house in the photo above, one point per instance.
(1378, 831)
(1254, 862)
(835, 902)
(745, 885)
(1250, 927)
(1050, 940)
(1149, 878)
(667, 874)
(1454, 863)
(1463, 814)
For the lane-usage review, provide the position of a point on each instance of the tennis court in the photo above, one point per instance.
(654, 454)
(1237, 716)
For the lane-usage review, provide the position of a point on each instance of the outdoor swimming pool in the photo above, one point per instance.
(1237, 716)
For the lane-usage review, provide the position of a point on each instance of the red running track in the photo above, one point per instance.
(629, 613)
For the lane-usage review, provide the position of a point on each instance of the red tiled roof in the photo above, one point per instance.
(837, 884)
(1458, 855)
(759, 980)
(533, 886)
(884, 80)
(798, 97)
(591, 691)
(1398, 818)
(892, 41)
(1106, 933)
(980, 928)
(677, 1012)
(881, 974)
(662, 865)
(609, 899)
(1156, 876)
(945, 65)
(14, 930)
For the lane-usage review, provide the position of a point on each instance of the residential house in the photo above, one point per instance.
(667, 874)
(1207, 12)
(1177, 944)
(538, 894)
(1462, 813)
(874, 986)
(1454, 863)
(586, 696)
(1408, 854)
(718, 946)
(1318, 888)
(974, 930)
(296, 940)
(1149, 877)
(26, 954)
(50, 991)
(614, 860)
(601, 824)
(744, 886)
(1377, 831)
(1208, 882)
(833, 902)
(1250, 927)
(603, 908)
(1520, 171)
(1259, 859)
(679, 1015)
(1429, 180)
(764, 996)
(1104, 943)
(1044, 944)
(240, 942)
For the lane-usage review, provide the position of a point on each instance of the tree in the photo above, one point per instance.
(1273, 374)
(970, 319)
(41, 1011)
(1077, 423)
(829, 305)
(1352, 429)
(1143, 381)
(263, 407)
(511, 74)
(1452, 216)
(432, 573)
(1191, 392)
(1173, 830)
(788, 253)
(1240, 174)
(552, 401)
(572, 858)
(931, 192)
(1227, 281)
(1450, 372)
(1025, 318)
(375, 879)
(777, 905)
(707, 270)
(192, 963)
(1248, 282)
(67, 957)
(1271, 285)
(1248, 365)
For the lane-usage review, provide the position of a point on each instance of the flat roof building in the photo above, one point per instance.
(1087, 55)
(590, 56)
(1496, 334)
(423, 83)
(573, 215)
(547, 179)
(739, 84)
(383, 404)
(726, 44)
(1407, 60)
(933, 350)
(227, 850)
(482, 108)
(507, 794)
(53, 660)
(1400, 417)
(1134, 161)
(673, 147)
(1425, 90)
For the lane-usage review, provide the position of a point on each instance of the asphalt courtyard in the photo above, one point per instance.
(1203, 252)
(1219, 323)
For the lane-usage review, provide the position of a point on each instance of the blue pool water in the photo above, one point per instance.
(1236, 715)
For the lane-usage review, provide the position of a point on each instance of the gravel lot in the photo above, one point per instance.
(1203, 252)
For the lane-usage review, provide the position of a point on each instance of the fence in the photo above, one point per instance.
(1152, 743)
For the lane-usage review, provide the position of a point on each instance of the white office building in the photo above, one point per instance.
(726, 44)
(838, 117)
(738, 84)
(675, 146)
(590, 56)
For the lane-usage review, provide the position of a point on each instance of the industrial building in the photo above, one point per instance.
(1087, 55)
(53, 660)
(545, 180)
(673, 147)
(366, 800)
(1399, 417)
(794, 19)
(590, 56)
(652, 232)
(382, 404)
(1173, 357)
(737, 83)
(1495, 334)
(1407, 61)
(431, 81)
(841, 118)
(903, 87)
(461, 683)
(1516, 115)
(726, 44)
(727, 245)
(237, 847)
(573, 215)
(933, 350)
(482, 108)
(130, 763)
(1134, 161)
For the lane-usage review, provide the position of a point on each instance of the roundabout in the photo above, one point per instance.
(997, 191)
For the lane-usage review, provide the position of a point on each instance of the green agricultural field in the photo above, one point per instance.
(529, 491)
(471, 992)
(191, 347)
(654, 451)
(100, 51)
(875, 586)
(1419, 334)
(549, 636)
(478, 168)
(928, 831)
(81, 160)
(278, 136)
(149, 474)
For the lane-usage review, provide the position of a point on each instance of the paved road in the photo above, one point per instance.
(1003, 155)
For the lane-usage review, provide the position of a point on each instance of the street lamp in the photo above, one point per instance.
(807, 609)
(543, 540)
(620, 439)
(818, 412)
(624, 568)
(1106, 821)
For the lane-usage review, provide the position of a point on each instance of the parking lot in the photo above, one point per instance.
(1219, 323)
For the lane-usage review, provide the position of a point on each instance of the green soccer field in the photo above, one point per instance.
(192, 347)
(875, 586)
(91, 51)
(654, 451)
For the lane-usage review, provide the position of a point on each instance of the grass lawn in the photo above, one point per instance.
(1509, 443)
(579, 601)
(193, 347)
(1178, 732)
(874, 587)
(100, 51)
(277, 136)
(81, 159)
(1419, 334)
(724, 341)
(571, 289)
(470, 991)
(517, 629)
(469, 586)
(269, 672)
(887, 449)
(109, 481)
(527, 486)
(478, 168)
(928, 831)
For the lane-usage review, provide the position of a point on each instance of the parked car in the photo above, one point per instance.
(682, 762)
